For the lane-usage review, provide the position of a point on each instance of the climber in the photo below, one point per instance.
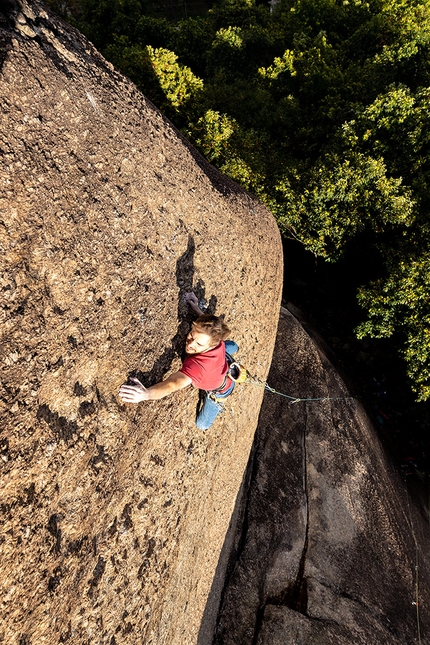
(206, 367)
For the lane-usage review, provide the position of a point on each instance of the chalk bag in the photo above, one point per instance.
(237, 372)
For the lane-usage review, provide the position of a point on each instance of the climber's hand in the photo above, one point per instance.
(133, 393)
(191, 300)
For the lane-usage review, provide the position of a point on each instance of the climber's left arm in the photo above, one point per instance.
(137, 392)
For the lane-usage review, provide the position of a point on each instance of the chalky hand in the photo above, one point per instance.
(133, 393)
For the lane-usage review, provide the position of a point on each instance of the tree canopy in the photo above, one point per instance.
(320, 108)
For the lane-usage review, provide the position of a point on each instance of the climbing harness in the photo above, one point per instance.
(236, 373)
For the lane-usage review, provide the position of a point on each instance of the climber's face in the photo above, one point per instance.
(197, 342)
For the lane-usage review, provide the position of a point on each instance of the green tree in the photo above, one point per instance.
(321, 109)
(400, 304)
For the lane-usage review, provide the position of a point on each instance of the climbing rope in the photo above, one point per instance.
(414, 537)
(294, 399)
(239, 374)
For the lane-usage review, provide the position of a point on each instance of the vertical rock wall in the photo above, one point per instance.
(114, 517)
(333, 549)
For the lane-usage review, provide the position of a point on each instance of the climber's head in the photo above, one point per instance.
(207, 332)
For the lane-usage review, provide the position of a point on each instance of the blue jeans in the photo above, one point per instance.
(210, 408)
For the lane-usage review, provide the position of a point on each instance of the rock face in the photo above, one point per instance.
(327, 551)
(115, 519)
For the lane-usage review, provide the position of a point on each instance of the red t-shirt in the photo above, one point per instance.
(207, 370)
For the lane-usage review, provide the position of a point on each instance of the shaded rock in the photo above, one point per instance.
(327, 550)
(113, 516)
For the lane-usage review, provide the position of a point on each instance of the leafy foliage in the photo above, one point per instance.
(401, 302)
(178, 82)
(320, 108)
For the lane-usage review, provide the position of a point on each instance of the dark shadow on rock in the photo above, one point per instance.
(6, 29)
(60, 426)
(233, 544)
(184, 280)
